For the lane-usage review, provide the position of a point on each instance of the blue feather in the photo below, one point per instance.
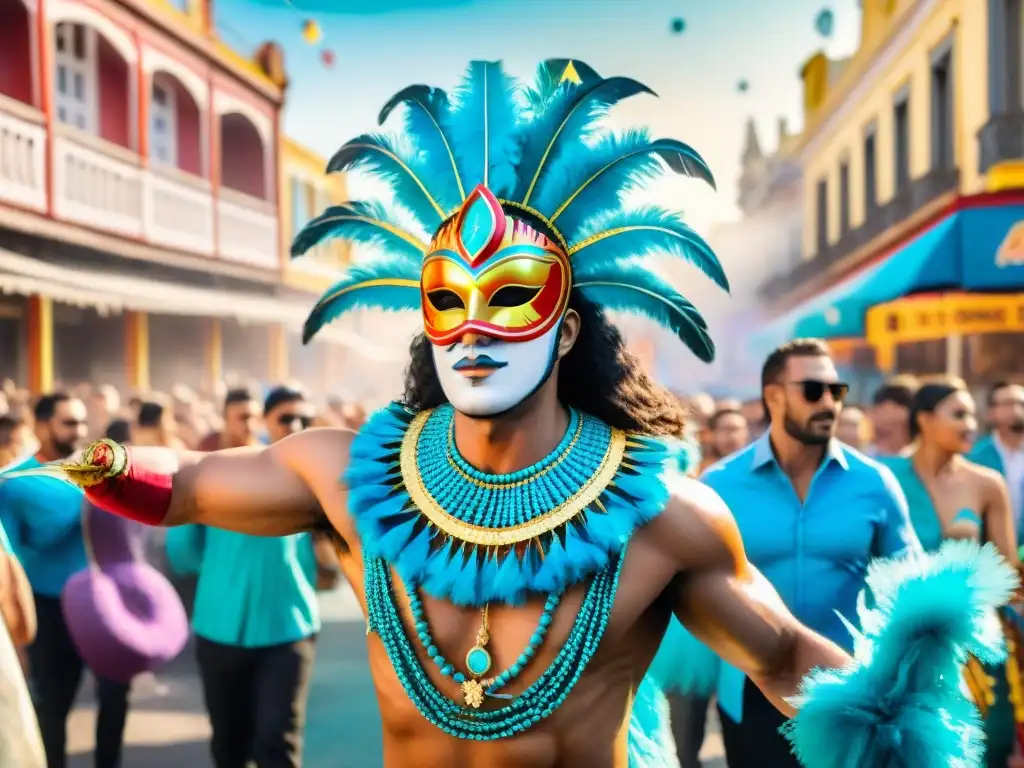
(900, 702)
(401, 167)
(651, 743)
(426, 112)
(363, 224)
(631, 288)
(588, 178)
(617, 235)
(484, 128)
(392, 284)
(684, 664)
(567, 119)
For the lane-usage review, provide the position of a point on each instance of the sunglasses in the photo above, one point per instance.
(813, 391)
(288, 419)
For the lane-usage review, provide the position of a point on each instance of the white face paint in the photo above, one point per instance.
(505, 372)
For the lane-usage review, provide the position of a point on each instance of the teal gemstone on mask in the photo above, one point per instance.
(478, 662)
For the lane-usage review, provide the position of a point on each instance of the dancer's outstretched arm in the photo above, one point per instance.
(265, 491)
(724, 601)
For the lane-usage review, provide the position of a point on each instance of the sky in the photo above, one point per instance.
(381, 46)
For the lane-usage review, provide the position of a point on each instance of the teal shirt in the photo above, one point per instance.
(253, 591)
(43, 520)
(986, 454)
(5, 543)
(922, 512)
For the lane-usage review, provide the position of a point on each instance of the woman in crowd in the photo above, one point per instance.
(951, 497)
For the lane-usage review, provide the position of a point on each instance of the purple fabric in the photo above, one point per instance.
(124, 616)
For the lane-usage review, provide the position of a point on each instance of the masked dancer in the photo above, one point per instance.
(517, 529)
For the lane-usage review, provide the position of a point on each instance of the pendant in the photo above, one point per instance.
(478, 661)
(473, 693)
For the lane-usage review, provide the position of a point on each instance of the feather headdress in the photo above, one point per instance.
(539, 152)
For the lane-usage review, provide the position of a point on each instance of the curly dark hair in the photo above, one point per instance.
(598, 376)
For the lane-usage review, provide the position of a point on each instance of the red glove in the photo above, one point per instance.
(113, 482)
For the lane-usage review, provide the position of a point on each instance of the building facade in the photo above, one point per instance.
(765, 240)
(913, 168)
(139, 196)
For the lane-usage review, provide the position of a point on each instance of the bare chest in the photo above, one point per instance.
(588, 726)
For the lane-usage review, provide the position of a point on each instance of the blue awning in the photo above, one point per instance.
(787, 326)
(929, 262)
(992, 248)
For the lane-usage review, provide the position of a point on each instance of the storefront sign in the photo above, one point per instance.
(910, 320)
(1011, 250)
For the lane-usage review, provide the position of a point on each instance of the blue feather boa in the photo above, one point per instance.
(391, 527)
(901, 702)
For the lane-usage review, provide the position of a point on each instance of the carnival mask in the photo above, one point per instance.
(494, 292)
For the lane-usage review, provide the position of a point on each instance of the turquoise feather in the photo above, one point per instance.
(543, 150)
(643, 232)
(357, 291)
(427, 110)
(549, 79)
(651, 743)
(387, 523)
(590, 177)
(569, 117)
(631, 288)
(684, 664)
(901, 702)
(405, 170)
(484, 128)
(362, 224)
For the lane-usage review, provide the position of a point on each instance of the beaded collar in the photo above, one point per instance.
(472, 538)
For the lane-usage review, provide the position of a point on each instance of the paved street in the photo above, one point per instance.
(168, 729)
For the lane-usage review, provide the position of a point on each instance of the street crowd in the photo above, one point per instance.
(818, 485)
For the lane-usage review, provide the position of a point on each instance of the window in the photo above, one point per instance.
(822, 216)
(163, 125)
(901, 140)
(844, 198)
(76, 76)
(870, 171)
(942, 108)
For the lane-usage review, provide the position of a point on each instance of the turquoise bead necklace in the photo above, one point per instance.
(478, 660)
(537, 702)
(514, 498)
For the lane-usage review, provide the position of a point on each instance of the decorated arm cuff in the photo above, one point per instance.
(113, 482)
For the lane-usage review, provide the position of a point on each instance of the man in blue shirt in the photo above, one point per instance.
(812, 513)
(43, 521)
(256, 618)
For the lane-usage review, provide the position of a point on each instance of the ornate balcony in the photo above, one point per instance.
(22, 156)
(247, 228)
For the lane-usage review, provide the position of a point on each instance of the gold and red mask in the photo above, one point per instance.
(487, 272)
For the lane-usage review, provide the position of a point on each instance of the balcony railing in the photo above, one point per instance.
(22, 156)
(902, 206)
(179, 213)
(248, 230)
(102, 186)
(97, 184)
(1001, 139)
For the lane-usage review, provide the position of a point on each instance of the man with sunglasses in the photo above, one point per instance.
(256, 618)
(44, 524)
(812, 512)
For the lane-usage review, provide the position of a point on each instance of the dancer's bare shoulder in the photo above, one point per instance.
(320, 457)
(696, 531)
